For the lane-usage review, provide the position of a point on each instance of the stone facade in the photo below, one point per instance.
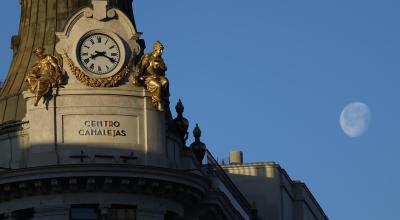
(96, 147)
(275, 195)
(96, 151)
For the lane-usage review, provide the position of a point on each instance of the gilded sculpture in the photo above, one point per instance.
(150, 72)
(46, 73)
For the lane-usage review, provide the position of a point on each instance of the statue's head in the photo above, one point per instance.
(39, 51)
(158, 48)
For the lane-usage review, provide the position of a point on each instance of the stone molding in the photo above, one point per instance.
(179, 186)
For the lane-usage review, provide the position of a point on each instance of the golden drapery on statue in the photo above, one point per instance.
(150, 71)
(46, 73)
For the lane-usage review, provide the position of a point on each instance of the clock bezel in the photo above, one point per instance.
(121, 47)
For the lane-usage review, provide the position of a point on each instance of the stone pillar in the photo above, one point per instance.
(150, 214)
(51, 213)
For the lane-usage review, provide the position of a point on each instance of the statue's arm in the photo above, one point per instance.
(35, 69)
(34, 72)
(164, 66)
(58, 74)
(54, 62)
(141, 66)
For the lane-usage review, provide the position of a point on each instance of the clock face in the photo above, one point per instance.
(99, 54)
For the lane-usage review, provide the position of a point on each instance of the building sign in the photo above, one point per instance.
(102, 128)
(98, 129)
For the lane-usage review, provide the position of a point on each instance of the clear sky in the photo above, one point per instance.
(271, 77)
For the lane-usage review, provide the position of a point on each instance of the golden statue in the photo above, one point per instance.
(45, 73)
(151, 71)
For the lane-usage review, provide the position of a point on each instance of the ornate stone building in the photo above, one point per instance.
(86, 130)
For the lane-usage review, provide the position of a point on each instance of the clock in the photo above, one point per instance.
(99, 46)
(99, 54)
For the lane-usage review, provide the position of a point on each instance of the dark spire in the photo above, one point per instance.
(181, 123)
(198, 147)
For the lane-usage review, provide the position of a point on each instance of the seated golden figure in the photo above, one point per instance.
(151, 71)
(46, 73)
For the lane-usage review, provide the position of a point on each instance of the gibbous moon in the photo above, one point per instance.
(355, 119)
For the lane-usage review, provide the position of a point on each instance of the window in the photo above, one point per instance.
(83, 213)
(24, 214)
(122, 213)
(171, 216)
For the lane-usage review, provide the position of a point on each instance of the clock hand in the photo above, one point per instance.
(95, 55)
(110, 58)
(103, 54)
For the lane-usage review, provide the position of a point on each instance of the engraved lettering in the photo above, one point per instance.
(102, 128)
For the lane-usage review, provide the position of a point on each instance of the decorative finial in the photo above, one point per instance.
(197, 132)
(182, 124)
(198, 147)
(100, 10)
(179, 107)
(15, 42)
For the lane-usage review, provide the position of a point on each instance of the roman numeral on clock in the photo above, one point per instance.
(99, 54)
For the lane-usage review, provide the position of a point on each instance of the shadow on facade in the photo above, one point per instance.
(15, 154)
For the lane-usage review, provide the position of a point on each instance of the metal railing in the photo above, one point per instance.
(214, 166)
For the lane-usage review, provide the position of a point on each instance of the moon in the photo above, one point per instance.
(355, 119)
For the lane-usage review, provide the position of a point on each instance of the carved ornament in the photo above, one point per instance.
(110, 81)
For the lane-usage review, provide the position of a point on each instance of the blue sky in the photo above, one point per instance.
(271, 77)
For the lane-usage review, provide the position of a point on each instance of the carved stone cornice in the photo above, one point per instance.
(12, 126)
(176, 185)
